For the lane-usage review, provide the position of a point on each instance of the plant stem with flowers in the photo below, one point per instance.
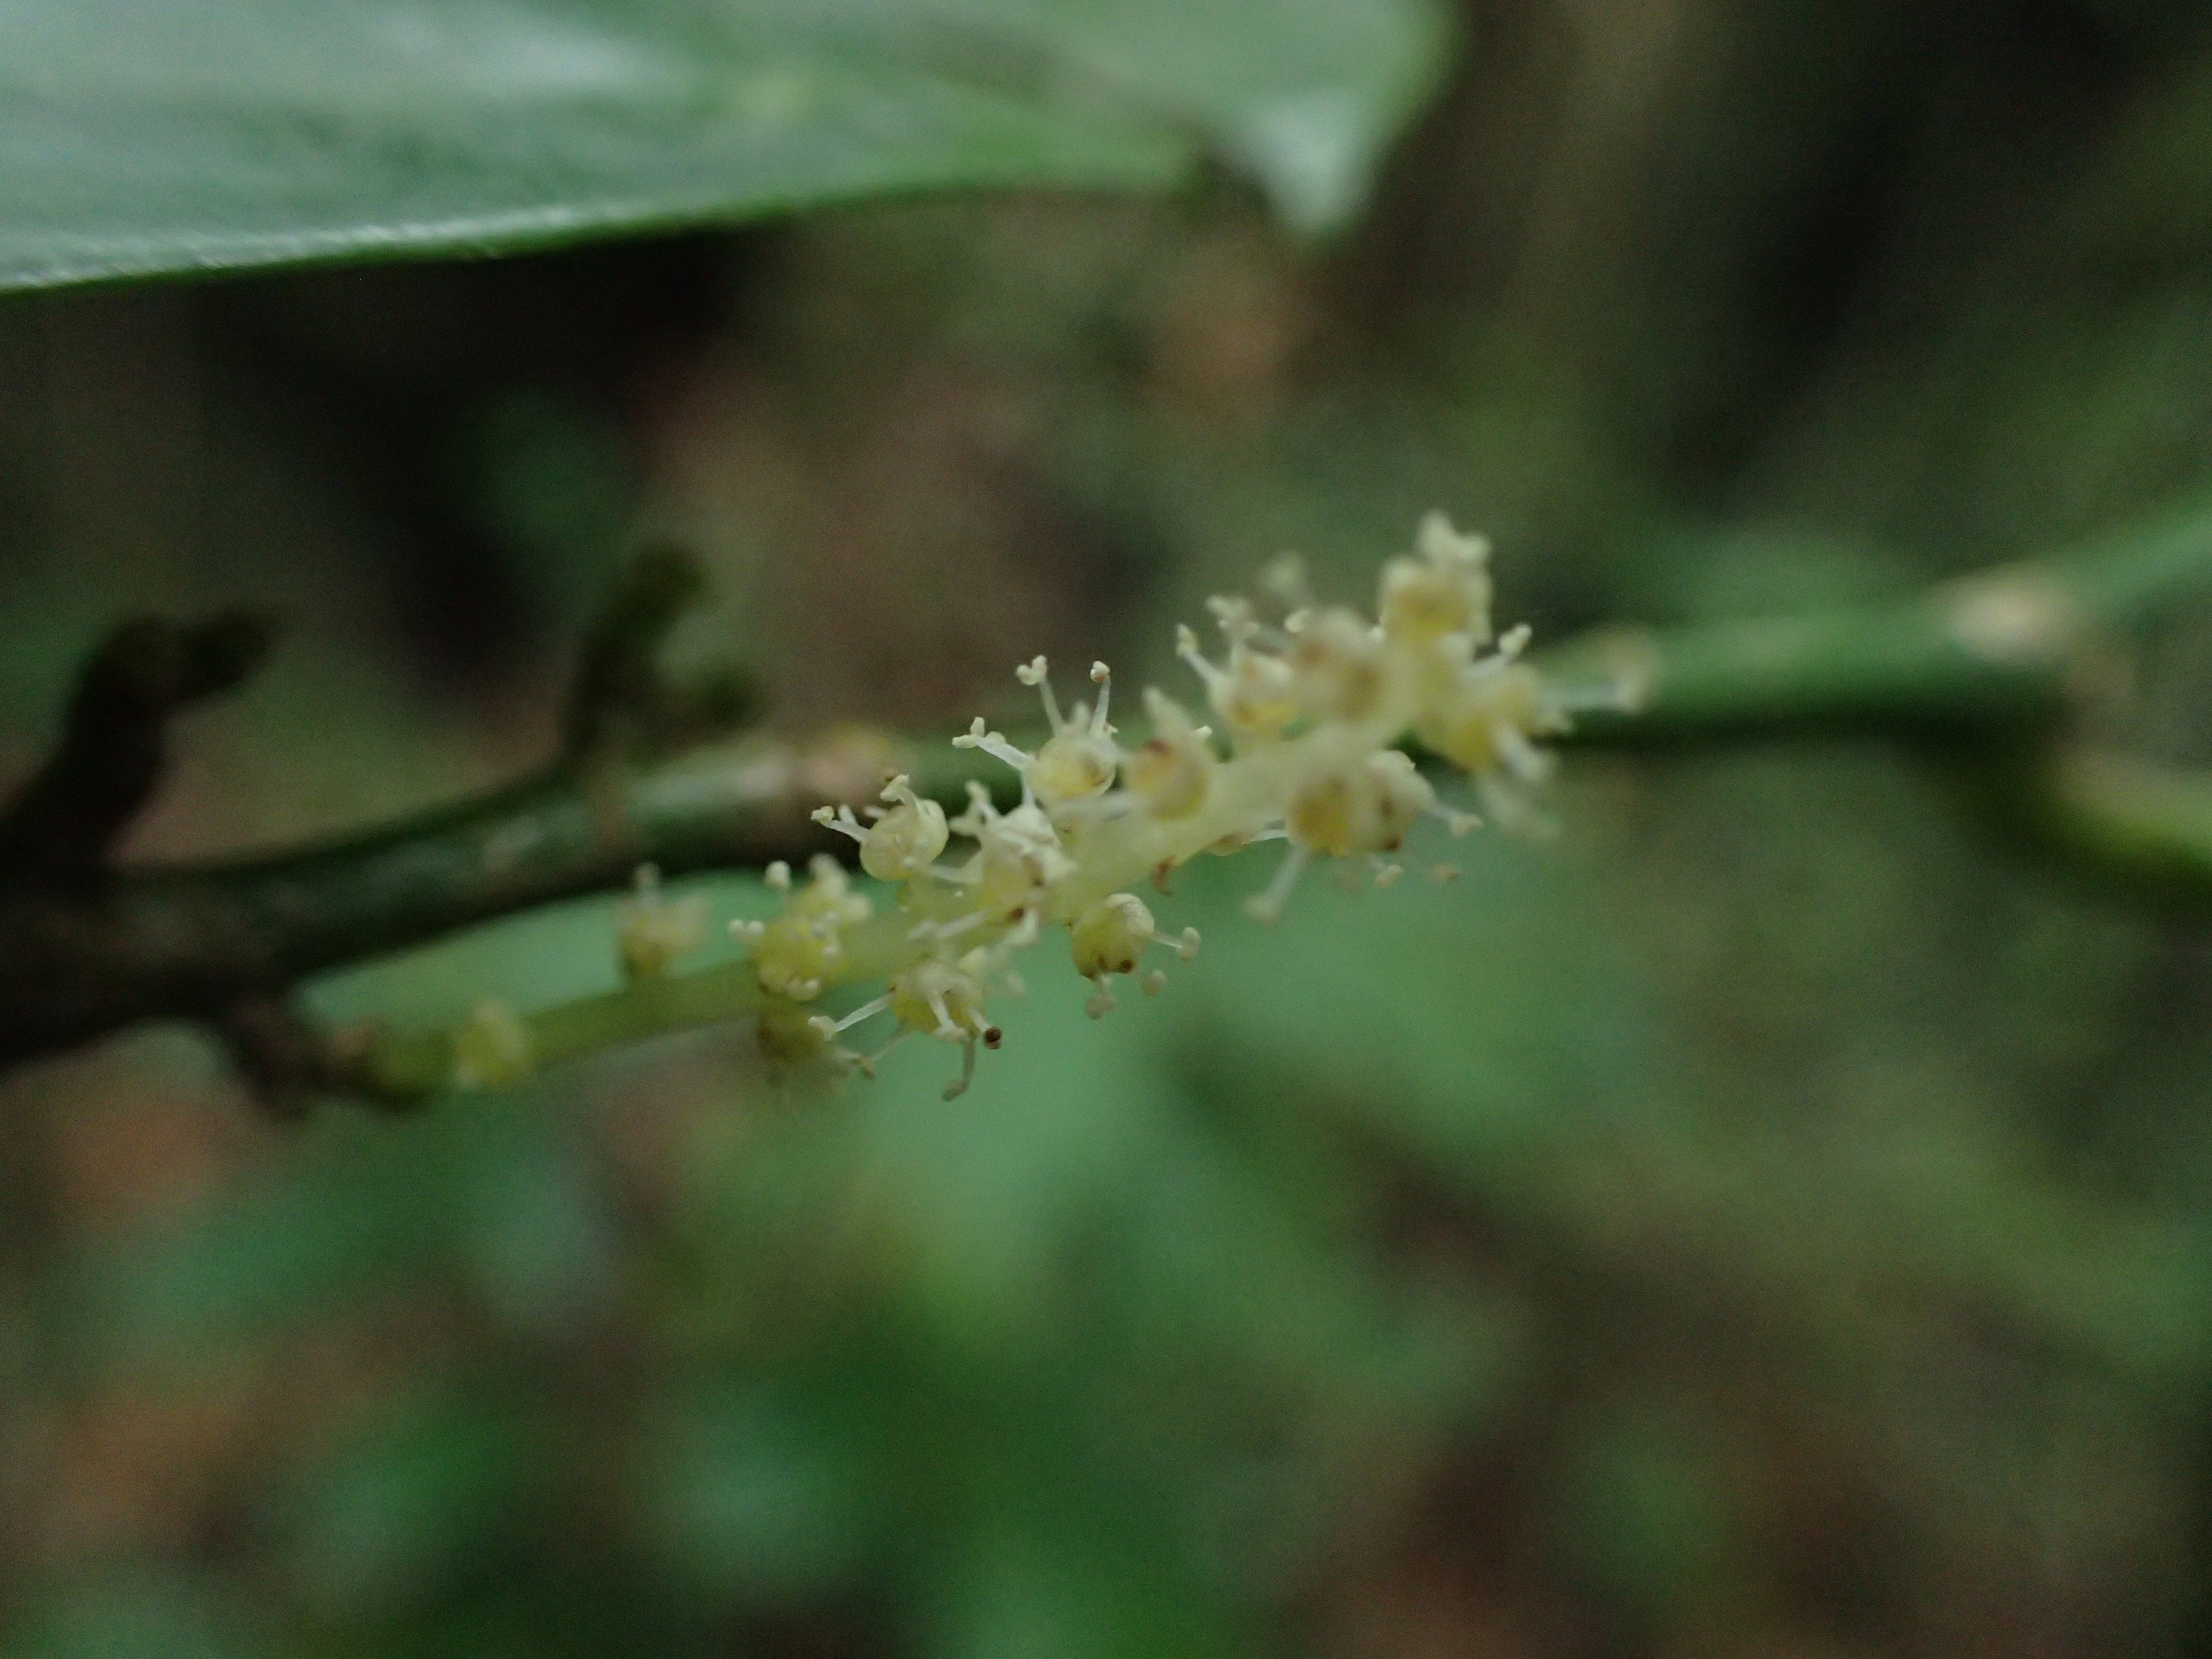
(1309, 710)
(1313, 718)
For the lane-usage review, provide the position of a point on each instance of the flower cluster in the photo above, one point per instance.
(1305, 713)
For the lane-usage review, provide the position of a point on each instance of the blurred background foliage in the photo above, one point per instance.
(1764, 1222)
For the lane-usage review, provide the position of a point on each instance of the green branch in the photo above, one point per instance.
(2140, 828)
(1992, 668)
(404, 1069)
(2017, 648)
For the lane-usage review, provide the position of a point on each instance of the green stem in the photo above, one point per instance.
(2144, 829)
(2010, 648)
(191, 940)
(1901, 673)
(410, 1068)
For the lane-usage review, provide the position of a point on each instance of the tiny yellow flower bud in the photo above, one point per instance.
(795, 955)
(1018, 855)
(906, 840)
(651, 933)
(1403, 795)
(1255, 696)
(942, 1000)
(492, 1048)
(1368, 806)
(1338, 660)
(1074, 766)
(828, 895)
(787, 1036)
(1170, 774)
(1109, 937)
(1078, 761)
(1446, 589)
(945, 1000)
(1485, 725)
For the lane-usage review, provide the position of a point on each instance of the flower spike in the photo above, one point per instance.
(1313, 712)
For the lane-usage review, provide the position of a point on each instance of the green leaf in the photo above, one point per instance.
(139, 137)
(1301, 95)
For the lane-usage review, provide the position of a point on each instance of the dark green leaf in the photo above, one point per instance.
(141, 138)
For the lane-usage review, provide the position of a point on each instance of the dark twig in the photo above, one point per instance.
(622, 702)
(64, 824)
(93, 947)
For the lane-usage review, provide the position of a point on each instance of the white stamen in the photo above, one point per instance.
(1103, 1004)
(1268, 906)
(1184, 944)
(1102, 678)
(945, 930)
(958, 1087)
(842, 820)
(1513, 810)
(1458, 823)
(1234, 616)
(869, 1062)
(829, 1027)
(994, 743)
(1187, 649)
(1526, 762)
(1034, 672)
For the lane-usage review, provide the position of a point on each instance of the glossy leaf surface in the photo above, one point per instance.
(139, 137)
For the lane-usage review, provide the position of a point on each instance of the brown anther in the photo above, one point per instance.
(1160, 871)
(992, 1037)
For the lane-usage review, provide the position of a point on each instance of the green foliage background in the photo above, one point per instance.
(1766, 1220)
